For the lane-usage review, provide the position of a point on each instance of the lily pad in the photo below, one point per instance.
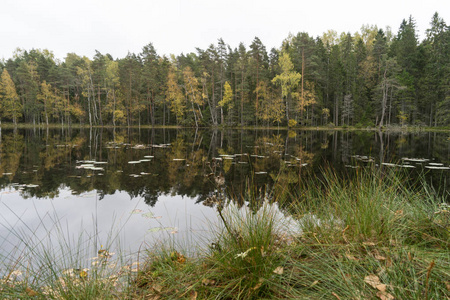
(437, 168)
(157, 229)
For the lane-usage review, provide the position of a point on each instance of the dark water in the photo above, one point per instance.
(146, 184)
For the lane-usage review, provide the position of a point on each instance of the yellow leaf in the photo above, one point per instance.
(278, 270)
(83, 274)
(181, 259)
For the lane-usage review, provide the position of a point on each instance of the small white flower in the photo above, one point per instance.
(244, 254)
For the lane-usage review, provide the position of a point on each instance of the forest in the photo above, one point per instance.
(370, 78)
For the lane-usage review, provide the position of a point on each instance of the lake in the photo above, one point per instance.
(142, 187)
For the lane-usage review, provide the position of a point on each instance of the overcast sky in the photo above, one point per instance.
(175, 26)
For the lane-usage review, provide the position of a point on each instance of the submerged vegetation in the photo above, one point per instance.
(371, 235)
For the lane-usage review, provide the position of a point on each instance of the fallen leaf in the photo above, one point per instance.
(399, 212)
(447, 284)
(381, 287)
(30, 292)
(334, 294)
(181, 259)
(259, 284)
(278, 270)
(157, 288)
(207, 282)
(377, 255)
(368, 244)
(410, 257)
(372, 280)
(351, 257)
(83, 274)
(193, 295)
(384, 296)
(314, 283)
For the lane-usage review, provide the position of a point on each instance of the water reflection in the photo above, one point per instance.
(104, 174)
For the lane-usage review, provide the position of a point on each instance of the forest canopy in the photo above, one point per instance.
(370, 78)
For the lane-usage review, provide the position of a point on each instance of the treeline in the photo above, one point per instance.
(370, 78)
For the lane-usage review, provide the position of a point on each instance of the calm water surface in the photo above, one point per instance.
(144, 186)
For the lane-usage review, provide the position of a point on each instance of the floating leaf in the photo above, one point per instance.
(32, 185)
(156, 229)
(420, 160)
(437, 168)
(136, 211)
(148, 215)
(139, 147)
